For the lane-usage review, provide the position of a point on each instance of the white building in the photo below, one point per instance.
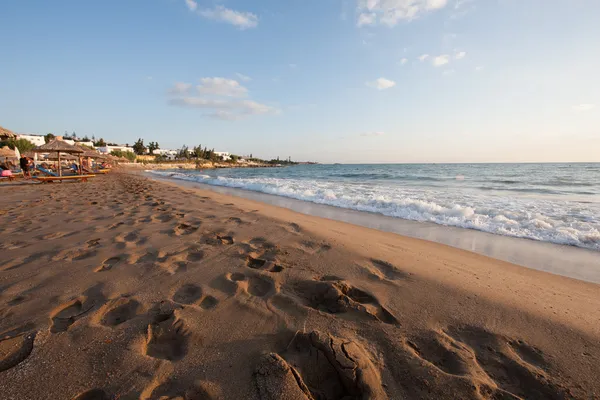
(109, 149)
(88, 144)
(223, 154)
(169, 154)
(38, 140)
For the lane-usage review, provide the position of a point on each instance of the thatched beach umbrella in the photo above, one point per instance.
(7, 152)
(58, 146)
(6, 134)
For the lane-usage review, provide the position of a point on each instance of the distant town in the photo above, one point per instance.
(141, 152)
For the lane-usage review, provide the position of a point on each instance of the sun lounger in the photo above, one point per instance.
(47, 179)
(45, 171)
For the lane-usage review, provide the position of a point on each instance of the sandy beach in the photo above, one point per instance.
(129, 288)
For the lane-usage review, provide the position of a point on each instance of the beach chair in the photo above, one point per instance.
(50, 179)
(45, 171)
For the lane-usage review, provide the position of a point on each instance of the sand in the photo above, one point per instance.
(127, 288)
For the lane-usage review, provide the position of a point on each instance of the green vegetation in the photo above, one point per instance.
(127, 154)
(139, 148)
(22, 144)
(49, 137)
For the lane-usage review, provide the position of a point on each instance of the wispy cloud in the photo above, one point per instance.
(390, 12)
(460, 55)
(180, 87)
(381, 84)
(293, 66)
(583, 107)
(224, 109)
(423, 57)
(441, 60)
(221, 87)
(403, 61)
(243, 20)
(243, 77)
(219, 97)
(191, 4)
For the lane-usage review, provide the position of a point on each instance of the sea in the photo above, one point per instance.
(556, 203)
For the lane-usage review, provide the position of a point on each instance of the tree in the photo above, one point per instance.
(49, 137)
(184, 153)
(139, 147)
(153, 146)
(85, 139)
(22, 144)
(100, 143)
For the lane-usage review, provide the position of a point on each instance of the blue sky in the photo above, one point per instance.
(326, 80)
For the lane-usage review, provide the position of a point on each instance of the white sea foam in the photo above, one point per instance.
(553, 221)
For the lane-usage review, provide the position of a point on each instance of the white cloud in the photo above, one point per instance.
(441, 60)
(219, 97)
(479, 68)
(448, 72)
(191, 4)
(221, 87)
(242, 20)
(423, 57)
(460, 55)
(381, 84)
(403, 61)
(390, 12)
(224, 109)
(366, 19)
(243, 77)
(293, 65)
(584, 107)
(372, 134)
(180, 87)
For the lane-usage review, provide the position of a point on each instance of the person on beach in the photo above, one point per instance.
(24, 164)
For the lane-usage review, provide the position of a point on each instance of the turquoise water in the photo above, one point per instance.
(558, 203)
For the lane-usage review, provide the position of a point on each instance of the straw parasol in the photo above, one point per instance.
(6, 134)
(58, 146)
(7, 152)
(63, 157)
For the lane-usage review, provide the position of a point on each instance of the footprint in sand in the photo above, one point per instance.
(108, 264)
(387, 270)
(76, 254)
(225, 239)
(118, 311)
(255, 285)
(294, 227)
(259, 263)
(167, 339)
(319, 366)
(514, 367)
(188, 294)
(338, 297)
(209, 302)
(313, 247)
(185, 229)
(15, 350)
(67, 314)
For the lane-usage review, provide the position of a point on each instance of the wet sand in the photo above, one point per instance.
(128, 288)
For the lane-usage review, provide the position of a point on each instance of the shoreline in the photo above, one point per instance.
(142, 289)
(569, 261)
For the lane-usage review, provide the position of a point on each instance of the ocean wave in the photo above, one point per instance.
(553, 222)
